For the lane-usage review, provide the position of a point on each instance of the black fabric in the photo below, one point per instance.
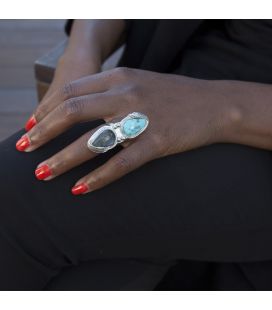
(68, 26)
(187, 211)
(197, 220)
(155, 44)
(208, 49)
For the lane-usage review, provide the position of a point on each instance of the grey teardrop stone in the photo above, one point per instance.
(105, 139)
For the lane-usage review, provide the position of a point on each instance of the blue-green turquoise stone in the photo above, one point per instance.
(132, 127)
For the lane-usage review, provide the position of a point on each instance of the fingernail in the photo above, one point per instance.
(23, 143)
(30, 123)
(79, 189)
(43, 172)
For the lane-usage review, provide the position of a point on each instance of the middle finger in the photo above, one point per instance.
(70, 112)
(70, 157)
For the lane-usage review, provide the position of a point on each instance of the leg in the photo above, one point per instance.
(209, 204)
(37, 262)
(110, 275)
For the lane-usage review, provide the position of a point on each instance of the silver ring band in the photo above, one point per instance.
(111, 134)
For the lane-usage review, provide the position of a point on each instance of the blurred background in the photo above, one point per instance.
(21, 43)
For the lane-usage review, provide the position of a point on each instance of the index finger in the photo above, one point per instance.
(96, 83)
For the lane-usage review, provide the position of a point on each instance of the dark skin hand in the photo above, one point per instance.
(181, 113)
(184, 114)
(90, 43)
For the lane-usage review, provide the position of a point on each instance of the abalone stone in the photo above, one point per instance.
(106, 138)
(133, 126)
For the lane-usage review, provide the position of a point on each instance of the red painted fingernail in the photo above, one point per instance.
(23, 143)
(79, 189)
(43, 172)
(30, 123)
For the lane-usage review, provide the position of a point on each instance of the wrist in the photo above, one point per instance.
(98, 38)
(80, 63)
(84, 52)
(228, 113)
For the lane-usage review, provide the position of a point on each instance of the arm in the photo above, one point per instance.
(94, 39)
(90, 43)
(248, 118)
(184, 113)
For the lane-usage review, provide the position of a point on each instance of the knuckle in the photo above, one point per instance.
(133, 94)
(156, 142)
(68, 90)
(122, 163)
(123, 72)
(41, 110)
(39, 130)
(39, 134)
(72, 108)
(96, 180)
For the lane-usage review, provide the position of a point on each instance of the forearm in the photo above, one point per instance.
(248, 118)
(94, 39)
(90, 42)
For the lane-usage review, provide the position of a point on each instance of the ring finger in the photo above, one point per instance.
(68, 158)
(71, 156)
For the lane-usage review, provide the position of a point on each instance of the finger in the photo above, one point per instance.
(48, 103)
(69, 113)
(68, 158)
(96, 83)
(41, 110)
(125, 161)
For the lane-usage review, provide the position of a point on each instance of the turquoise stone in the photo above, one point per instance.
(134, 126)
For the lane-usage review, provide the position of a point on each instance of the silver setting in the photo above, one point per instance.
(116, 128)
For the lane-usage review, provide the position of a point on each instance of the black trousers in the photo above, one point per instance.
(201, 219)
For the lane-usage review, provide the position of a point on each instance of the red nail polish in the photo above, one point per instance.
(30, 123)
(43, 172)
(79, 189)
(23, 143)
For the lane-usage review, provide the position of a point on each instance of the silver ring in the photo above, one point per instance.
(111, 134)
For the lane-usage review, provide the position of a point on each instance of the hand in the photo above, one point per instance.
(70, 67)
(89, 44)
(184, 114)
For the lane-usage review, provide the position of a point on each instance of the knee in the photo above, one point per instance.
(23, 215)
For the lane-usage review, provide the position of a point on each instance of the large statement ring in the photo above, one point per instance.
(111, 134)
